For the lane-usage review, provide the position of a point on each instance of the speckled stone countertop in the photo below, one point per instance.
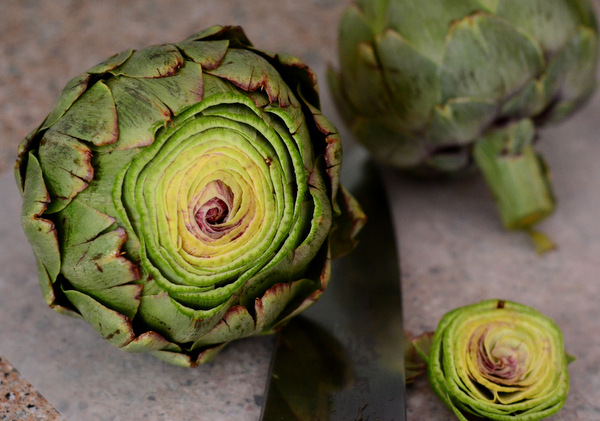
(453, 250)
(19, 400)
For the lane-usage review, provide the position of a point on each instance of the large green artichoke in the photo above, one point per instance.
(498, 360)
(185, 195)
(435, 86)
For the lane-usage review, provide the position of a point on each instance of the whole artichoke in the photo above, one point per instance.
(435, 86)
(185, 195)
(498, 360)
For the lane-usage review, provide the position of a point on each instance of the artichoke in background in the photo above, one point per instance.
(185, 195)
(498, 360)
(441, 86)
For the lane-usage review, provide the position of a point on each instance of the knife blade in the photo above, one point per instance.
(343, 358)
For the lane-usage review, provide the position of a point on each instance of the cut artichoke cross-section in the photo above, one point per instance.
(497, 360)
(185, 195)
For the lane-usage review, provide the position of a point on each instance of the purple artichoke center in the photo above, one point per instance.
(504, 363)
(211, 215)
(213, 212)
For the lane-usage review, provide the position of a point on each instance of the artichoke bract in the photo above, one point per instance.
(184, 195)
(442, 86)
(498, 360)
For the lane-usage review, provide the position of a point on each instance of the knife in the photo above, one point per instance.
(343, 358)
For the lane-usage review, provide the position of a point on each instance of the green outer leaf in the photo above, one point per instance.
(234, 34)
(73, 232)
(549, 22)
(250, 72)
(111, 63)
(424, 24)
(111, 325)
(571, 75)
(347, 225)
(320, 222)
(185, 360)
(92, 117)
(140, 113)
(67, 167)
(98, 269)
(157, 61)
(75, 87)
(176, 323)
(107, 166)
(237, 322)
(460, 120)
(40, 232)
(416, 354)
(389, 145)
(362, 77)
(530, 101)
(177, 92)
(374, 12)
(207, 54)
(412, 80)
(150, 341)
(22, 154)
(475, 46)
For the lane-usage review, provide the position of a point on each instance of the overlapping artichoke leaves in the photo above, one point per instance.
(419, 81)
(185, 195)
(443, 86)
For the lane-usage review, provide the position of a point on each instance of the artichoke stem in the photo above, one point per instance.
(517, 177)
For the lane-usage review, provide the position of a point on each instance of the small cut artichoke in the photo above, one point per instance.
(185, 195)
(498, 360)
(442, 86)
